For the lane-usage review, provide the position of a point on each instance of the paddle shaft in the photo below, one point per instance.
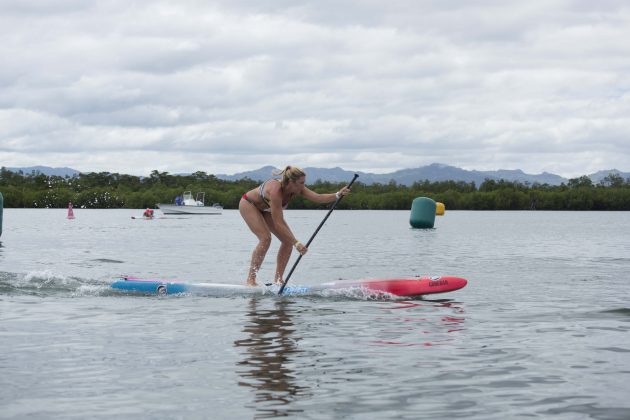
(315, 234)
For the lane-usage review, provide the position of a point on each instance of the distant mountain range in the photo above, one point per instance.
(433, 172)
(46, 170)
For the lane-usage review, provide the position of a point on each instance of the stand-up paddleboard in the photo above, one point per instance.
(408, 287)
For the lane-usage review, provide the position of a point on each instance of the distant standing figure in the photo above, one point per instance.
(262, 209)
(70, 211)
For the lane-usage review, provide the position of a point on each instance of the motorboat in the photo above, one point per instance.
(186, 204)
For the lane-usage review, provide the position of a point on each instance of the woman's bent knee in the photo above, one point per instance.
(264, 241)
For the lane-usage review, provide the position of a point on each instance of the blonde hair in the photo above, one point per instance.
(290, 173)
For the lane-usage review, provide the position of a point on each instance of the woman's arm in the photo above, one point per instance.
(323, 198)
(281, 226)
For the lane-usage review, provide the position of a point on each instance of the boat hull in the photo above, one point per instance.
(175, 209)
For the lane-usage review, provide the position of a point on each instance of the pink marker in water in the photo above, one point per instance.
(70, 212)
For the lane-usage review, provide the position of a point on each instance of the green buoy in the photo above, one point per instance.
(422, 213)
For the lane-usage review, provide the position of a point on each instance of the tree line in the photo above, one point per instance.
(104, 190)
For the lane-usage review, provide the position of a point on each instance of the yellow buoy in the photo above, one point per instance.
(439, 209)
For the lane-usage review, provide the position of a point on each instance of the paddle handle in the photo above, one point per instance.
(354, 178)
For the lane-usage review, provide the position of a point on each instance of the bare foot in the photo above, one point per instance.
(251, 284)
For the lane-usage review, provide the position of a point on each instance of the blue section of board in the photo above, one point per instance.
(150, 287)
(165, 287)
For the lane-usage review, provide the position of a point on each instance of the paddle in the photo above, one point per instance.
(315, 233)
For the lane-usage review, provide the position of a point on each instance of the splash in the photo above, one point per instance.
(45, 279)
(352, 293)
(357, 293)
(44, 283)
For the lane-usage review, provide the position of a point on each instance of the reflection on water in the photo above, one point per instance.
(423, 330)
(269, 347)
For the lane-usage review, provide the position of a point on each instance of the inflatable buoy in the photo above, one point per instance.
(422, 213)
(439, 209)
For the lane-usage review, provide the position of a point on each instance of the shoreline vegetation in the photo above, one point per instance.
(104, 190)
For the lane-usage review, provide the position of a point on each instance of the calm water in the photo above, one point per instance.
(541, 330)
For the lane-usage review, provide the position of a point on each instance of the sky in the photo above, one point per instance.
(232, 85)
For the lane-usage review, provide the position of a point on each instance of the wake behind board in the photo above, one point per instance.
(407, 287)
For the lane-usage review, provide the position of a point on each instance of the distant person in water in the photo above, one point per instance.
(148, 214)
(262, 209)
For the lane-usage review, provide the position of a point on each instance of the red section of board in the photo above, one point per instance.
(410, 286)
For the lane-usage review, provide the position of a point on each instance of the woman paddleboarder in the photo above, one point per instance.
(262, 209)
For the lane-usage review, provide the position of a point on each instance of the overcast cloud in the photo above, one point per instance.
(227, 86)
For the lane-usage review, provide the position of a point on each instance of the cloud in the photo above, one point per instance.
(233, 85)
